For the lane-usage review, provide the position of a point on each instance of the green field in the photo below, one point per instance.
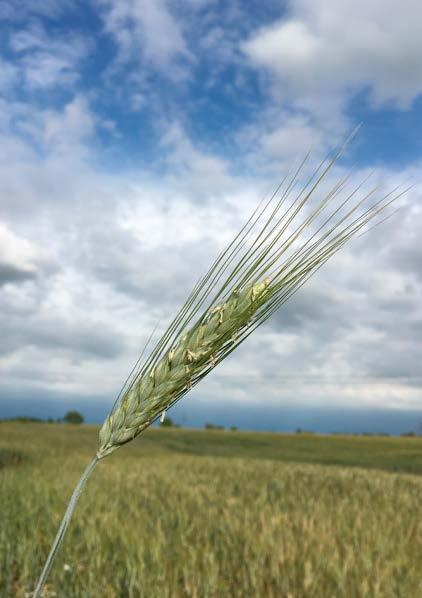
(212, 514)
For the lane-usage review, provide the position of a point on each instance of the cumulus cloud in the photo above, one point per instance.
(205, 172)
(94, 254)
(319, 56)
(146, 31)
(18, 257)
(126, 252)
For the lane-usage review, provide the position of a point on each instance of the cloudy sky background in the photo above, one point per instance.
(137, 135)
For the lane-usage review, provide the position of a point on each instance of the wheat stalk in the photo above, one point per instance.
(262, 267)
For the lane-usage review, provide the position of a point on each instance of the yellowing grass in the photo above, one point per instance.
(200, 526)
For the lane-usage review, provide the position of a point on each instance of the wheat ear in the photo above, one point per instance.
(198, 350)
(266, 263)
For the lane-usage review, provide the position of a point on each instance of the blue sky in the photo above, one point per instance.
(136, 135)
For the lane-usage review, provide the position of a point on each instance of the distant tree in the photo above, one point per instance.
(73, 417)
(213, 427)
(167, 423)
(409, 434)
(50, 420)
(233, 428)
(25, 419)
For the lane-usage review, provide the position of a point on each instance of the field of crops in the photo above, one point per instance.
(183, 513)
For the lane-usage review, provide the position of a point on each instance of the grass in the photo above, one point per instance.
(10, 457)
(209, 514)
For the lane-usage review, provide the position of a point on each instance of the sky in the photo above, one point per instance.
(135, 138)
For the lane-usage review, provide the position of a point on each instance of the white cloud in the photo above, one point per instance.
(75, 124)
(137, 101)
(53, 131)
(204, 172)
(294, 138)
(322, 54)
(146, 31)
(18, 257)
(47, 61)
(124, 249)
(126, 253)
(16, 250)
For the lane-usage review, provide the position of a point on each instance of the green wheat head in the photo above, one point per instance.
(262, 267)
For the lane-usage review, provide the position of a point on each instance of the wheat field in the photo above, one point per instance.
(184, 513)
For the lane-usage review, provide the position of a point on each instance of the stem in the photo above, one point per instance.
(63, 527)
